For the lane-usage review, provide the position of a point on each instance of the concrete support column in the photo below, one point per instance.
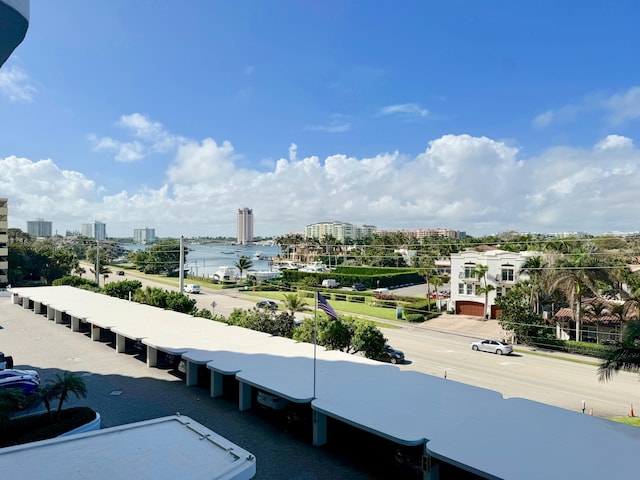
(152, 357)
(245, 396)
(25, 303)
(319, 429)
(95, 332)
(15, 299)
(51, 312)
(37, 306)
(75, 324)
(192, 373)
(216, 384)
(58, 316)
(120, 343)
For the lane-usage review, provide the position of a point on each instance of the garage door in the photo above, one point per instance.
(474, 309)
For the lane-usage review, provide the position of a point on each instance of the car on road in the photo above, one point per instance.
(192, 288)
(271, 401)
(120, 272)
(493, 346)
(270, 304)
(358, 287)
(6, 361)
(391, 355)
(27, 381)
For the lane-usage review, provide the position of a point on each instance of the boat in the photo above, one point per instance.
(227, 274)
(260, 256)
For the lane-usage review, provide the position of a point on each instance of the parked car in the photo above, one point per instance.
(27, 381)
(270, 304)
(269, 400)
(6, 361)
(120, 272)
(392, 355)
(494, 346)
(192, 288)
(358, 287)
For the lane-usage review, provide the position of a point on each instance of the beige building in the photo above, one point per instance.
(338, 230)
(245, 226)
(4, 243)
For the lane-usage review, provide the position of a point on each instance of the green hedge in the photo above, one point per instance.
(370, 277)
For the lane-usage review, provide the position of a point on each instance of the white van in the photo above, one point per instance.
(382, 291)
(191, 288)
(330, 283)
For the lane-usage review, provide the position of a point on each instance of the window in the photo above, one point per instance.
(469, 289)
(498, 291)
(507, 274)
(469, 271)
(461, 288)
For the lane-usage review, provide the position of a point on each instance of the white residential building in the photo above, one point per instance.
(97, 230)
(245, 226)
(467, 296)
(338, 230)
(144, 236)
(39, 227)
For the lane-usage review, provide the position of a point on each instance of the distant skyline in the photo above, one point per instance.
(476, 116)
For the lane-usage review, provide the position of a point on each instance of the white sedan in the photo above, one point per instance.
(494, 346)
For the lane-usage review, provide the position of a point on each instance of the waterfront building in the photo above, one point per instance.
(4, 242)
(144, 236)
(338, 230)
(97, 230)
(245, 226)
(39, 227)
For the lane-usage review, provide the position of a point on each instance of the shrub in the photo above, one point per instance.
(414, 317)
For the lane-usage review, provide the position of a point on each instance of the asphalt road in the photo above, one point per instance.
(559, 381)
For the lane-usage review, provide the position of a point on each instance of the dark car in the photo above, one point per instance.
(267, 304)
(120, 272)
(392, 355)
(358, 287)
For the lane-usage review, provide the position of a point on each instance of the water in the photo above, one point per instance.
(205, 260)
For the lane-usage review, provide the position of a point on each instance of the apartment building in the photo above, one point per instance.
(503, 272)
(39, 227)
(245, 226)
(4, 242)
(144, 236)
(97, 230)
(338, 230)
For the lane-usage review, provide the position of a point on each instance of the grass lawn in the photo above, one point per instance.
(634, 421)
(352, 308)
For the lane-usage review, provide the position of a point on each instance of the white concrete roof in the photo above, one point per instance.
(169, 447)
(463, 424)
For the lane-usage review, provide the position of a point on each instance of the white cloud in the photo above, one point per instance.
(330, 128)
(620, 108)
(150, 138)
(405, 109)
(476, 184)
(624, 106)
(16, 85)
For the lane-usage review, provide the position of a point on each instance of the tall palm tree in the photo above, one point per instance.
(243, 263)
(534, 267)
(626, 355)
(577, 278)
(481, 274)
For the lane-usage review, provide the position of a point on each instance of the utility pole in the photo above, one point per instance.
(98, 262)
(181, 273)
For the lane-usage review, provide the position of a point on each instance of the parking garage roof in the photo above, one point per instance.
(474, 428)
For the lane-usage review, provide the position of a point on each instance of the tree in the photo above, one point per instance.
(576, 278)
(122, 289)
(10, 400)
(625, 355)
(60, 388)
(295, 303)
(481, 273)
(161, 258)
(264, 320)
(516, 316)
(243, 263)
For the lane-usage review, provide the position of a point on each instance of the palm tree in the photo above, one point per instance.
(534, 268)
(576, 278)
(68, 383)
(481, 274)
(294, 303)
(243, 263)
(626, 356)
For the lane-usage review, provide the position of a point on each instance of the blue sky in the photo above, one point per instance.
(478, 116)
